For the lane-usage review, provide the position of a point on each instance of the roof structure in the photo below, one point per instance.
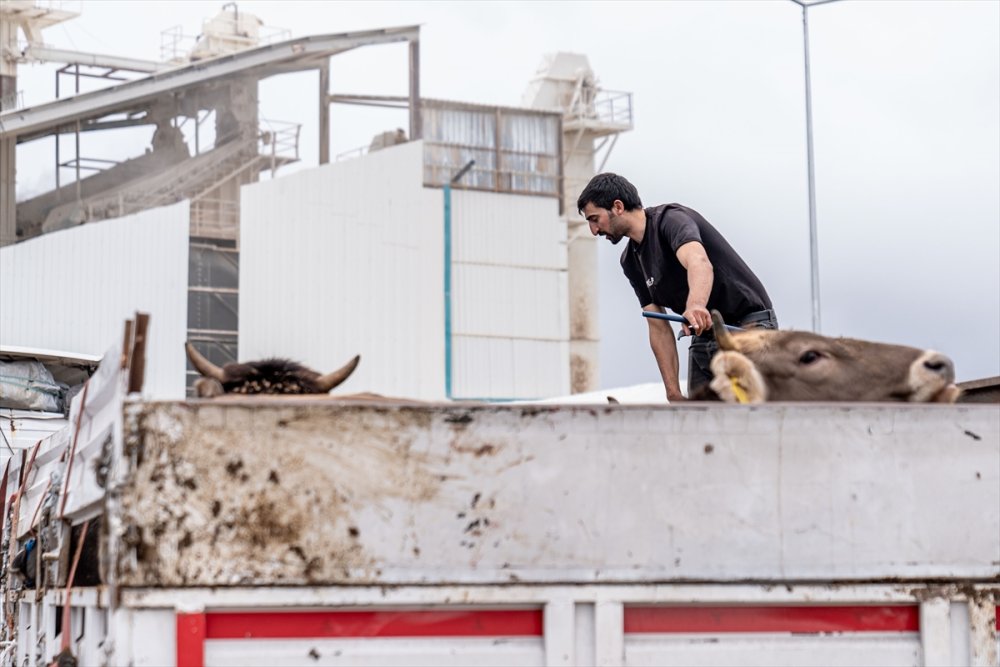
(259, 63)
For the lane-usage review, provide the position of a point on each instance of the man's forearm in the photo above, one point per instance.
(661, 340)
(700, 278)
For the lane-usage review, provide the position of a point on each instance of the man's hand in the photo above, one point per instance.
(700, 319)
(675, 397)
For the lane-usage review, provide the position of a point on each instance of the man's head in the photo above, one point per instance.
(604, 203)
(604, 189)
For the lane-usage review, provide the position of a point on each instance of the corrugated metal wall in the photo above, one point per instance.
(510, 309)
(516, 150)
(344, 259)
(348, 258)
(73, 290)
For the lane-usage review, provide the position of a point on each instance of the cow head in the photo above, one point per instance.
(270, 376)
(760, 365)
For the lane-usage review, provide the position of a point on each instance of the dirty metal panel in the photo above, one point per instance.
(326, 492)
(99, 419)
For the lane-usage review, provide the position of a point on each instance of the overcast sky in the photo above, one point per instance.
(906, 100)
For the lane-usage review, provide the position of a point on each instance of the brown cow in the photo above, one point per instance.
(760, 365)
(269, 376)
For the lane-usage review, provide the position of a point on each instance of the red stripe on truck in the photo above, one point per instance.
(190, 640)
(313, 624)
(771, 618)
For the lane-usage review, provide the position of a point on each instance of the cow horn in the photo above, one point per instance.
(327, 382)
(722, 335)
(203, 365)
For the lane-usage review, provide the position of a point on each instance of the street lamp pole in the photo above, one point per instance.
(813, 242)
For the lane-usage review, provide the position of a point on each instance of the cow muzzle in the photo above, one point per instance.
(932, 378)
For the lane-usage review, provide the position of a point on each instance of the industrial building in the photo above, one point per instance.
(449, 253)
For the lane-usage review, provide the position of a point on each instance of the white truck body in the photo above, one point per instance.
(335, 532)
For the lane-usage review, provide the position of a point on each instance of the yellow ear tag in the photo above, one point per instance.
(741, 395)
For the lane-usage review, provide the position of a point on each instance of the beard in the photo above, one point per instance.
(614, 238)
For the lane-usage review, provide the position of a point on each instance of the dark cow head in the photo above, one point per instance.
(270, 376)
(760, 365)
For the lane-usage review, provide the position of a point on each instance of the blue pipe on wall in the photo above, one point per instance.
(447, 291)
(447, 294)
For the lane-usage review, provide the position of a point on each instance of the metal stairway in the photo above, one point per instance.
(188, 179)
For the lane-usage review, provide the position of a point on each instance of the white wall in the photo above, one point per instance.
(348, 258)
(510, 301)
(344, 259)
(73, 290)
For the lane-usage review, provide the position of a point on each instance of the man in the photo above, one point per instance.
(676, 259)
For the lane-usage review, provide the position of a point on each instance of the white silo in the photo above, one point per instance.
(592, 120)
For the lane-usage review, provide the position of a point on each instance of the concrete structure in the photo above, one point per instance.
(592, 120)
(31, 19)
(494, 317)
(209, 92)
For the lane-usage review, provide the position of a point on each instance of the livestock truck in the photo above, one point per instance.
(297, 531)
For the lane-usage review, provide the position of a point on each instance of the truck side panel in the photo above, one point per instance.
(314, 492)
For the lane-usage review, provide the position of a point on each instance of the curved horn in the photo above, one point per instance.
(722, 335)
(327, 382)
(203, 365)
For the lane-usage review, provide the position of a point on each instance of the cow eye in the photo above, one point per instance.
(809, 357)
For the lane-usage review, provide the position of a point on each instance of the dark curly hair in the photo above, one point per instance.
(604, 189)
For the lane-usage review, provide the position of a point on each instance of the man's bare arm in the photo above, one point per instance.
(700, 275)
(661, 340)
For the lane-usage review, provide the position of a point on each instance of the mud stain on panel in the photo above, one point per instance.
(233, 503)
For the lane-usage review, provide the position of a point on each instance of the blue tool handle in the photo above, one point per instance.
(677, 318)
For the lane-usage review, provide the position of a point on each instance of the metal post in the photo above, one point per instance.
(78, 184)
(416, 131)
(813, 244)
(447, 278)
(324, 113)
(813, 240)
(447, 291)
(57, 137)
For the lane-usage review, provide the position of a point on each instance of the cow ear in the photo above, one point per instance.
(949, 394)
(722, 335)
(208, 388)
(736, 379)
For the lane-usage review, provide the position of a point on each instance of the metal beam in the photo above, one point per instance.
(260, 62)
(47, 54)
(86, 127)
(391, 101)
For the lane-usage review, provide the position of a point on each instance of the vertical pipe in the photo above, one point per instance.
(78, 185)
(416, 131)
(813, 243)
(447, 291)
(324, 112)
(498, 158)
(58, 136)
(8, 155)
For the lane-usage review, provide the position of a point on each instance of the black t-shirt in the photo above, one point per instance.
(657, 276)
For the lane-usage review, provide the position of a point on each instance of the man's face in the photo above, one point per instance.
(604, 222)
